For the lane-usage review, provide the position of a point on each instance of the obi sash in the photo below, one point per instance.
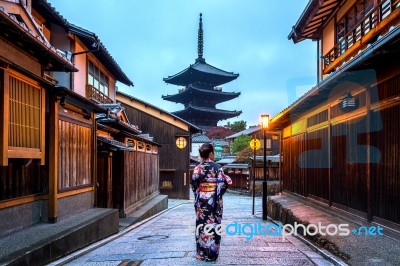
(207, 187)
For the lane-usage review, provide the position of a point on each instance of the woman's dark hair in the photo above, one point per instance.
(205, 150)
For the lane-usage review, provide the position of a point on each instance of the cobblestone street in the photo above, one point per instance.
(168, 239)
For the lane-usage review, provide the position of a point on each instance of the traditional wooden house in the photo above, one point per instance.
(174, 135)
(341, 139)
(49, 157)
(28, 118)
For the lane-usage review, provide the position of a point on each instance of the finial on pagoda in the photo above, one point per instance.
(200, 39)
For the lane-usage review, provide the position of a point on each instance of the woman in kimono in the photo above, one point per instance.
(209, 183)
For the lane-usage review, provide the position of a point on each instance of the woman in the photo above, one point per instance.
(209, 183)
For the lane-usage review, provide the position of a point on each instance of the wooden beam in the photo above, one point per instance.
(43, 126)
(4, 111)
(53, 159)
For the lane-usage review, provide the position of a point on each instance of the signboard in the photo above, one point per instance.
(255, 144)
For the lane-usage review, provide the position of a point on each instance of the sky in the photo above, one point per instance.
(154, 39)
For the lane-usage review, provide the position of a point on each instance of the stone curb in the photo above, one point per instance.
(278, 213)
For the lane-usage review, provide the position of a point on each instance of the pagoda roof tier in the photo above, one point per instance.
(190, 92)
(202, 72)
(217, 114)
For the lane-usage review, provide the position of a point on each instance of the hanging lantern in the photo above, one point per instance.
(349, 103)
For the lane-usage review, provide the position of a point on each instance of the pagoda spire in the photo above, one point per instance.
(200, 40)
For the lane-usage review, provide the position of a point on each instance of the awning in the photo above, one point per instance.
(112, 144)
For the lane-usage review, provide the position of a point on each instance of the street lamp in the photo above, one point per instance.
(264, 127)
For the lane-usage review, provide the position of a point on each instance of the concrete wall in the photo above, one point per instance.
(22, 216)
(72, 205)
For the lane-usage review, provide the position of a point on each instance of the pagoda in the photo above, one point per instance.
(201, 92)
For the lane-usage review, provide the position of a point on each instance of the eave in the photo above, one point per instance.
(101, 53)
(213, 112)
(35, 45)
(356, 70)
(191, 92)
(309, 25)
(201, 72)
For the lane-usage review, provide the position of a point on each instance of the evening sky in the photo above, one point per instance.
(154, 39)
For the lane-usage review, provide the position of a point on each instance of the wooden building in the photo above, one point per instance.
(50, 163)
(201, 91)
(341, 139)
(174, 136)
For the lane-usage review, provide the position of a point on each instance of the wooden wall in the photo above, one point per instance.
(74, 155)
(351, 159)
(135, 176)
(174, 162)
(22, 177)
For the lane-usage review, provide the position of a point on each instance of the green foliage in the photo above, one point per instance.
(237, 126)
(244, 155)
(240, 143)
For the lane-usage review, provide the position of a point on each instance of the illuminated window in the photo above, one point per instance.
(269, 143)
(181, 142)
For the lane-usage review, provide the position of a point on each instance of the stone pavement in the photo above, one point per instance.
(363, 244)
(168, 239)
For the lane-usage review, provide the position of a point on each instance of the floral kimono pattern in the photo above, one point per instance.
(209, 183)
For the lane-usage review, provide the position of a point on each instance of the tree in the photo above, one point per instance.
(238, 126)
(240, 143)
(219, 132)
(244, 155)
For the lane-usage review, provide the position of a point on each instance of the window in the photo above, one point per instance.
(269, 142)
(348, 23)
(98, 79)
(24, 126)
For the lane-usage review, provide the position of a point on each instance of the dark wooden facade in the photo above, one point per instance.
(166, 129)
(346, 155)
(49, 168)
(136, 177)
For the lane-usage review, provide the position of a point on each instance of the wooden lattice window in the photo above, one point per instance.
(23, 119)
(24, 115)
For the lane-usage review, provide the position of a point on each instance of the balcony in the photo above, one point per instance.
(96, 95)
(376, 21)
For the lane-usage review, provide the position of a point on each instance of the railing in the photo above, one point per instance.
(369, 22)
(96, 95)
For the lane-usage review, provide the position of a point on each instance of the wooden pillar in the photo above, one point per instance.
(53, 160)
(94, 160)
(368, 170)
(4, 111)
(329, 157)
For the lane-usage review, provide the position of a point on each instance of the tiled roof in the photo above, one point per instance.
(192, 91)
(200, 138)
(214, 111)
(87, 38)
(272, 158)
(227, 159)
(221, 142)
(249, 131)
(201, 72)
(102, 54)
(18, 32)
(320, 92)
(193, 127)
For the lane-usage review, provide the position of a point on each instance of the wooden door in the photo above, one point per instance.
(104, 180)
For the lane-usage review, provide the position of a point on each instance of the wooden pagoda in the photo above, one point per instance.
(200, 93)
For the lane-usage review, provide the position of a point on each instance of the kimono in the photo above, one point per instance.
(209, 183)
